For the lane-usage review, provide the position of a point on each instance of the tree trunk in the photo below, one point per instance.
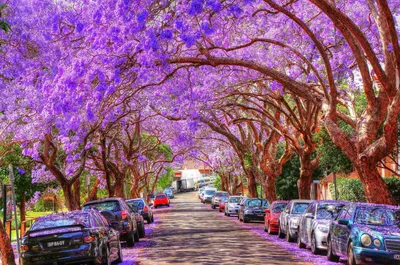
(22, 208)
(251, 184)
(6, 251)
(70, 198)
(375, 188)
(305, 180)
(93, 193)
(270, 189)
(119, 187)
(134, 189)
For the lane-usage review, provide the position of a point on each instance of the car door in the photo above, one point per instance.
(339, 231)
(284, 216)
(309, 222)
(241, 208)
(345, 231)
(305, 224)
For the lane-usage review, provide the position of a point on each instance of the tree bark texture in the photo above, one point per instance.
(6, 251)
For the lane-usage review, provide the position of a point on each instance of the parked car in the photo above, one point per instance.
(232, 206)
(71, 237)
(271, 219)
(222, 203)
(161, 199)
(169, 193)
(314, 224)
(218, 195)
(366, 234)
(208, 194)
(143, 209)
(115, 210)
(200, 192)
(290, 219)
(252, 209)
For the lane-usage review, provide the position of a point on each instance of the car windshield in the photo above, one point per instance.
(278, 207)
(167, 191)
(299, 207)
(209, 192)
(328, 211)
(378, 216)
(102, 206)
(256, 203)
(221, 194)
(235, 199)
(224, 199)
(60, 220)
(160, 197)
(136, 204)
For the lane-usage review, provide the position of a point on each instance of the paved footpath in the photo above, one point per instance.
(191, 233)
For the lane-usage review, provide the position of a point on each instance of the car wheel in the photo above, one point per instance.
(313, 246)
(107, 257)
(280, 234)
(119, 259)
(152, 219)
(142, 233)
(265, 229)
(299, 243)
(155, 206)
(228, 214)
(330, 255)
(167, 205)
(136, 236)
(289, 238)
(245, 219)
(130, 241)
(220, 210)
(350, 255)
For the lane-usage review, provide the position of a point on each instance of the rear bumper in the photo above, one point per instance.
(274, 226)
(255, 217)
(83, 255)
(232, 210)
(371, 256)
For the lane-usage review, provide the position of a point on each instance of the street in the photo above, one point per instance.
(192, 233)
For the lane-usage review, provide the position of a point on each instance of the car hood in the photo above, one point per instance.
(323, 222)
(376, 230)
(275, 215)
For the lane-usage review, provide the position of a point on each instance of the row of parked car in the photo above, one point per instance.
(362, 233)
(92, 235)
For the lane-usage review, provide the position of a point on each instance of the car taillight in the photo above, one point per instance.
(89, 239)
(146, 209)
(124, 214)
(24, 248)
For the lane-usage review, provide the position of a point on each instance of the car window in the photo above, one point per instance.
(342, 213)
(160, 197)
(299, 207)
(60, 220)
(138, 204)
(234, 199)
(311, 209)
(254, 203)
(209, 192)
(278, 207)
(380, 216)
(102, 206)
(328, 211)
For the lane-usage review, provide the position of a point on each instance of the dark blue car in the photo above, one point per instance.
(366, 234)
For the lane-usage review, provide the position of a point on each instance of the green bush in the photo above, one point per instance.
(352, 189)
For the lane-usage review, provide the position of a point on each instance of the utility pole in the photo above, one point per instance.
(334, 181)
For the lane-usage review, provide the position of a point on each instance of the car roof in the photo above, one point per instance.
(135, 200)
(302, 201)
(105, 200)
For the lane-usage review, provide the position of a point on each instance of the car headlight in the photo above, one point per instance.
(294, 222)
(366, 240)
(248, 211)
(377, 243)
(323, 228)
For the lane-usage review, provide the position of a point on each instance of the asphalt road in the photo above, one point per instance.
(189, 232)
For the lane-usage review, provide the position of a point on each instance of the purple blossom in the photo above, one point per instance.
(142, 17)
(166, 34)
(206, 28)
(21, 171)
(79, 27)
(215, 5)
(188, 40)
(235, 10)
(196, 7)
(390, 47)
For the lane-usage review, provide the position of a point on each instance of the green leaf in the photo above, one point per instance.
(4, 26)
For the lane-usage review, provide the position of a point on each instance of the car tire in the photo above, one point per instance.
(120, 258)
(265, 229)
(351, 258)
(269, 229)
(152, 219)
(136, 236)
(245, 219)
(142, 232)
(106, 258)
(228, 214)
(330, 255)
(148, 220)
(167, 205)
(130, 241)
(289, 237)
(155, 206)
(220, 210)
(313, 245)
(299, 243)
(280, 234)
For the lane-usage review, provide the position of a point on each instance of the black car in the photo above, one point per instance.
(76, 237)
(115, 210)
(252, 209)
(143, 209)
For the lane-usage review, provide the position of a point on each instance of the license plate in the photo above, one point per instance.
(55, 244)
(397, 257)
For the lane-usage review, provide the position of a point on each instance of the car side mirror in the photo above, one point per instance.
(267, 211)
(308, 215)
(343, 222)
(114, 225)
(151, 204)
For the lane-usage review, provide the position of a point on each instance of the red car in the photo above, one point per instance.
(222, 203)
(271, 219)
(161, 199)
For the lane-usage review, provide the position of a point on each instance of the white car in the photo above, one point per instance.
(208, 194)
(232, 206)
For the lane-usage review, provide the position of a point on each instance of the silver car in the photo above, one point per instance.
(232, 206)
(290, 219)
(217, 197)
(315, 222)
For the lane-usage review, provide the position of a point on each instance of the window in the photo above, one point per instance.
(299, 207)
(342, 213)
(311, 209)
(102, 206)
(328, 211)
(278, 207)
